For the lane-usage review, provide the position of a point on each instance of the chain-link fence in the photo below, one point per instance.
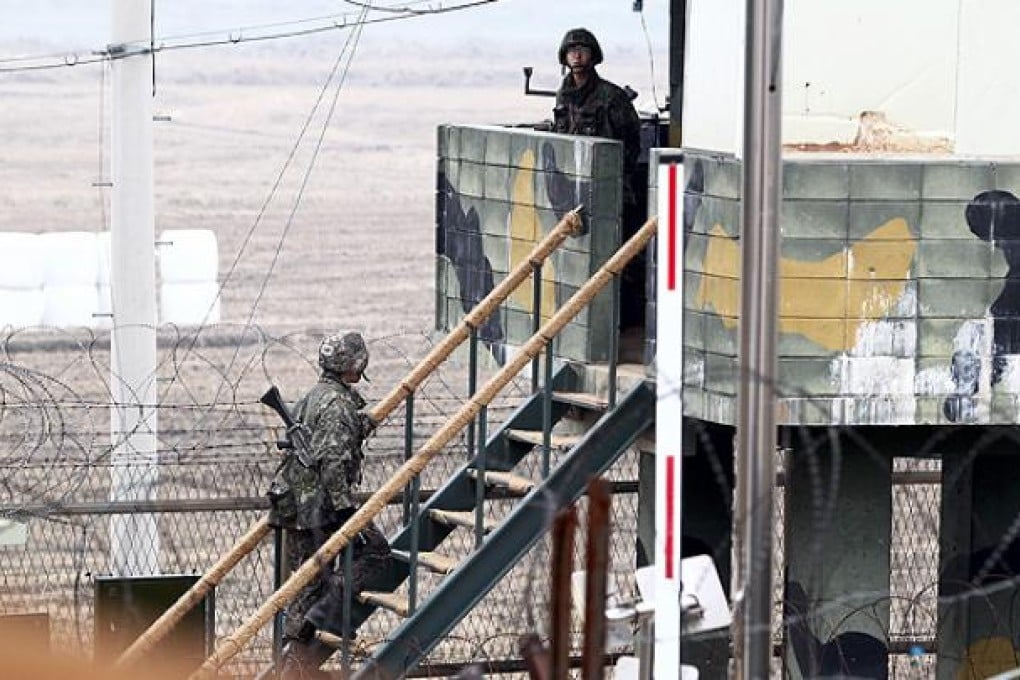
(216, 451)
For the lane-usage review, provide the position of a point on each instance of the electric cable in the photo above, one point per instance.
(231, 37)
(651, 60)
(352, 43)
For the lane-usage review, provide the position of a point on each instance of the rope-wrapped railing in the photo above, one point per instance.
(570, 225)
(233, 644)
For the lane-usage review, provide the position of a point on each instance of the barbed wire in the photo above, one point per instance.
(41, 417)
(49, 427)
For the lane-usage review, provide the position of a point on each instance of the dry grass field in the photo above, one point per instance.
(358, 251)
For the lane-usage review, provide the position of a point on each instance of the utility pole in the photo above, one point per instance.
(756, 419)
(134, 539)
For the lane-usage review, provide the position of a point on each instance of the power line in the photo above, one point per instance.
(244, 34)
(342, 65)
(384, 8)
(651, 58)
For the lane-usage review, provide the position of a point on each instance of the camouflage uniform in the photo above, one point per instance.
(313, 502)
(598, 108)
(320, 603)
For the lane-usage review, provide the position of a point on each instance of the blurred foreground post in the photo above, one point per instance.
(756, 419)
(562, 568)
(596, 576)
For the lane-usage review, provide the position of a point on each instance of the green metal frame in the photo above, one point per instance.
(460, 491)
(504, 547)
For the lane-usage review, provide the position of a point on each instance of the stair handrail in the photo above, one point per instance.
(232, 644)
(570, 225)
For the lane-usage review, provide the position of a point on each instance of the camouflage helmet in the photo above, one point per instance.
(584, 38)
(343, 353)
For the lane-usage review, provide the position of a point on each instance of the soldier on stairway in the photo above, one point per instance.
(312, 499)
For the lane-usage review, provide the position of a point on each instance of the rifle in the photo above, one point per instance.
(297, 433)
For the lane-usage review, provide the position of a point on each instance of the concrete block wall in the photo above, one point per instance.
(899, 290)
(499, 191)
(927, 70)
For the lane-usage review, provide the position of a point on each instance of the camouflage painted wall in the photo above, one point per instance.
(899, 290)
(499, 192)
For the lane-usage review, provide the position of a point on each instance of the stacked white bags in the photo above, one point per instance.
(21, 280)
(188, 265)
(70, 271)
(63, 278)
(104, 301)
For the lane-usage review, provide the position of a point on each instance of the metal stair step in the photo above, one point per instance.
(433, 561)
(516, 484)
(595, 377)
(455, 518)
(392, 601)
(556, 441)
(585, 400)
(482, 569)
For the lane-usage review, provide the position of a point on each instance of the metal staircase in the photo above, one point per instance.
(499, 543)
(530, 428)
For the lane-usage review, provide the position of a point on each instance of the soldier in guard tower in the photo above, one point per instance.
(586, 104)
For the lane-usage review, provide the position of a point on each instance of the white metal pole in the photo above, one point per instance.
(134, 540)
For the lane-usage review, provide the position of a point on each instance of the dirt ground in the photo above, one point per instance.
(354, 249)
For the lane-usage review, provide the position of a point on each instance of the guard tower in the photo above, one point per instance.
(896, 310)
(899, 322)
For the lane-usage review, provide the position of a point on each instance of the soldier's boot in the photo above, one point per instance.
(301, 660)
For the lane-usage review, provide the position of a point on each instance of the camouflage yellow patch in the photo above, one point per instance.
(525, 233)
(863, 283)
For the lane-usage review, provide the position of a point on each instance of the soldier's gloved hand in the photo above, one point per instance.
(368, 424)
(307, 631)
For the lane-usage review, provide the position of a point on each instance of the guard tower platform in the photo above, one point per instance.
(899, 333)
